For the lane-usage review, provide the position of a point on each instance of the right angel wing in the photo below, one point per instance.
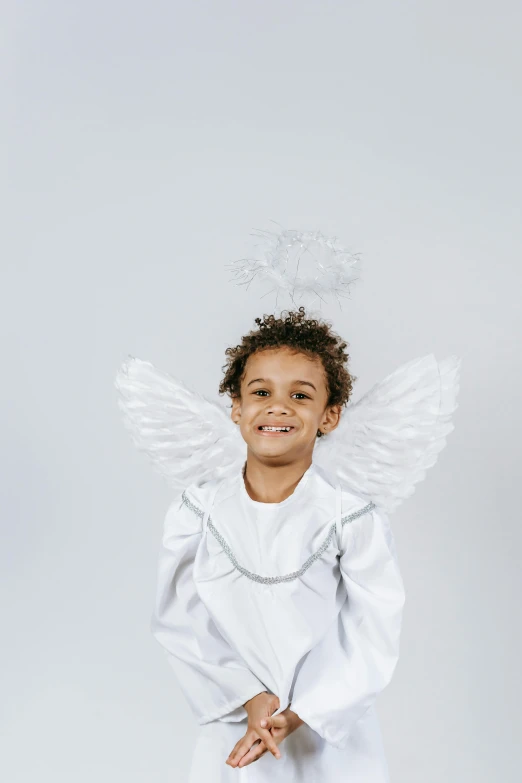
(186, 437)
(387, 440)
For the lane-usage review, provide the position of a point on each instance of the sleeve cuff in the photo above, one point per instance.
(233, 710)
(338, 739)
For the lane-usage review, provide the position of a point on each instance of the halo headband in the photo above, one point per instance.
(333, 268)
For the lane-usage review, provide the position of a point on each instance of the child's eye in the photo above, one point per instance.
(263, 392)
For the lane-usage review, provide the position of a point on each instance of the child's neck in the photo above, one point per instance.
(273, 483)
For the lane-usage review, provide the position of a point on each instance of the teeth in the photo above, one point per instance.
(276, 429)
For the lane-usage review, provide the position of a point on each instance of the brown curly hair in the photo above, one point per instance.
(309, 336)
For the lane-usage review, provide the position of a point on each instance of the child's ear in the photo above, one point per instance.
(235, 413)
(331, 419)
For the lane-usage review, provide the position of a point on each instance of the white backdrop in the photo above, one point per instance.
(145, 141)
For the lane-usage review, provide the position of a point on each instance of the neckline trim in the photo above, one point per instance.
(259, 504)
(285, 577)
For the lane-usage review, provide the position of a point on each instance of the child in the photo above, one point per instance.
(279, 596)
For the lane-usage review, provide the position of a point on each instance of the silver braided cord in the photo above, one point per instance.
(270, 580)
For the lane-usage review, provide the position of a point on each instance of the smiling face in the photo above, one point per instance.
(283, 404)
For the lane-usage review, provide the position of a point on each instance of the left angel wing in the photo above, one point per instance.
(186, 437)
(387, 440)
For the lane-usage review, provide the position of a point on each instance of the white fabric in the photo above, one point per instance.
(326, 642)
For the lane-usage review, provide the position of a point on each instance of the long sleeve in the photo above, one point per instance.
(214, 680)
(341, 676)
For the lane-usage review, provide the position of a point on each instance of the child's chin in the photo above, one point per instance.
(269, 446)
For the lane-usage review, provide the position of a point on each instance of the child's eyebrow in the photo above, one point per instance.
(302, 383)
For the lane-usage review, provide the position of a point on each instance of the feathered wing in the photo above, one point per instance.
(389, 438)
(184, 435)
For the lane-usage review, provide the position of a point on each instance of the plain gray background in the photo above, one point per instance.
(145, 141)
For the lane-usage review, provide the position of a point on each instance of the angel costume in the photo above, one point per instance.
(302, 598)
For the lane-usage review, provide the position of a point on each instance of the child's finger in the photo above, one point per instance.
(241, 747)
(269, 741)
(253, 754)
(275, 721)
(244, 745)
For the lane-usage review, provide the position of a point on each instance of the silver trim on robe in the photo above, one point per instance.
(270, 580)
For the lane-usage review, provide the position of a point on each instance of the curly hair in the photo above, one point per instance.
(309, 336)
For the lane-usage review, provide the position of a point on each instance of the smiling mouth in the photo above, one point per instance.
(275, 431)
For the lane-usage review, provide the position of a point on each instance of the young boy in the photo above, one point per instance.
(279, 598)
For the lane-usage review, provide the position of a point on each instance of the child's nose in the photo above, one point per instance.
(279, 405)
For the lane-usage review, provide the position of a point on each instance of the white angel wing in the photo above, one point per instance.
(187, 437)
(388, 439)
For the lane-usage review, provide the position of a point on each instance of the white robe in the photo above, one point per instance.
(323, 635)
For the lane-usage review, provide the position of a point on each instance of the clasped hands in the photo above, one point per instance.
(264, 732)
